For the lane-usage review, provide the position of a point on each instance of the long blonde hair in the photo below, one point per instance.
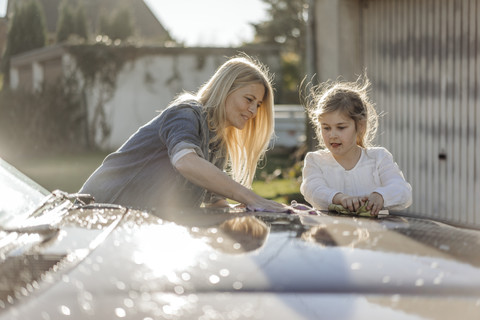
(244, 147)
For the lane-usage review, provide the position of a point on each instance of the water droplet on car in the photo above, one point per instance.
(355, 266)
(419, 282)
(214, 279)
(120, 312)
(119, 284)
(179, 290)
(395, 298)
(237, 285)
(224, 272)
(65, 310)
(168, 309)
(444, 247)
(438, 279)
(128, 303)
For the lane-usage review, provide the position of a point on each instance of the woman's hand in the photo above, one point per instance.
(261, 204)
(375, 203)
(203, 173)
(222, 203)
(352, 203)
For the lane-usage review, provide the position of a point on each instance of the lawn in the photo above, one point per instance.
(277, 180)
(66, 172)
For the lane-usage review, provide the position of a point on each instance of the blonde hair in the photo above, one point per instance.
(350, 98)
(244, 147)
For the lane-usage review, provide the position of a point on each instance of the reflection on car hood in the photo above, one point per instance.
(211, 264)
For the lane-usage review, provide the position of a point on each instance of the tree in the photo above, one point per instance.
(27, 32)
(71, 22)
(81, 28)
(66, 23)
(287, 27)
(119, 26)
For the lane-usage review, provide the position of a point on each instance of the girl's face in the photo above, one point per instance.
(339, 134)
(241, 105)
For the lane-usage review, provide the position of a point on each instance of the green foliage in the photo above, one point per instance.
(65, 25)
(27, 32)
(281, 190)
(118, 26)
(81, 28)
(287, 27)
(292, 75)
(99, 65)
(280, 177)
(100, 62)
(71, 22)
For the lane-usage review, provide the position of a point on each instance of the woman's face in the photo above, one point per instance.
(241, 105)
(339, 133)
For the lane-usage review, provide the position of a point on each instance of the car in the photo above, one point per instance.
(63, 256)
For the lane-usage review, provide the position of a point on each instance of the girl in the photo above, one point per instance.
(350, 172)
(178, 158)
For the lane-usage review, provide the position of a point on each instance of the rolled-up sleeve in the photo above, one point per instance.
(181, 129)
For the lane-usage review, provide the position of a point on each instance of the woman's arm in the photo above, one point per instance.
(203, 173)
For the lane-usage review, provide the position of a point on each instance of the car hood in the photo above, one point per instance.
(115, 263)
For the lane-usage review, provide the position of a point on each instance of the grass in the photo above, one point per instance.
(68, 172)
(280, 190)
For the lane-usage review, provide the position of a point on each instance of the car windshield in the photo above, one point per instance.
(19, 195)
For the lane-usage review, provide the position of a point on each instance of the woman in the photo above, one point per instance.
(179, 157)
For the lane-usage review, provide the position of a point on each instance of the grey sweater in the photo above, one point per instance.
(140, 173)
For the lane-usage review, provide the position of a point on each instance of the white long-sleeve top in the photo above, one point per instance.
(375, 171)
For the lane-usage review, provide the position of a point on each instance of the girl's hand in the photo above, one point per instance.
(375, 203)
(352, 203)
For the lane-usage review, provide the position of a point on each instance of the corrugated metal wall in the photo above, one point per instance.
(423, 58)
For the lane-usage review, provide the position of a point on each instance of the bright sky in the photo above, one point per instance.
(209, 22)
(3, 7)
(205, 22)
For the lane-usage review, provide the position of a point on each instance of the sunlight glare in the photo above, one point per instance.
(177, 249)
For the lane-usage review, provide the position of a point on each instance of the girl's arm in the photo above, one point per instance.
(396, 192)
(314, 186)
(204, 174)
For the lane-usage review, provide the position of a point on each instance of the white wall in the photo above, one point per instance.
(149, 83)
